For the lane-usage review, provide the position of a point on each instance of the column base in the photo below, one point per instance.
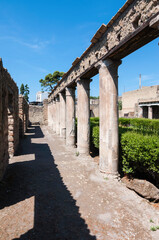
(83, 151)
(70, 142)
(63, 133)
(110, 175)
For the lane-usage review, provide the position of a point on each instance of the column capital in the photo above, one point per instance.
(154, 23)
(78, 80)
(107, 63)
(70, 91)
(57, 98)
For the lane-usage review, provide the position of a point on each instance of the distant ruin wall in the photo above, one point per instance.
(38, 114)
(9, 120)
(130, 99)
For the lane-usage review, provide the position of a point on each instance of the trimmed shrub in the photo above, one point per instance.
(95, 136)
(94, 119)
(140, 153)
(124, 122)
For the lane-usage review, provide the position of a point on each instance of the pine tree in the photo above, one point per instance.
(22, 89)
(50, 80)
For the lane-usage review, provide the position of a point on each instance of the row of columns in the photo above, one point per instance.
(63, 115)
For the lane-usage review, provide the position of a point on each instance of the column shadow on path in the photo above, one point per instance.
(56, 215)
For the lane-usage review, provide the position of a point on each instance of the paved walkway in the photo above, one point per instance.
(50, 193)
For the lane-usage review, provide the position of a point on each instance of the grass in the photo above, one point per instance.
(77, 154)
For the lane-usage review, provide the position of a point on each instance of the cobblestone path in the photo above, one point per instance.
(50, 193)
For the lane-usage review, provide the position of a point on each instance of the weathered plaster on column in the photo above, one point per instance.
(108, 78)
(83, 123)
(70, 116)
(62, 115)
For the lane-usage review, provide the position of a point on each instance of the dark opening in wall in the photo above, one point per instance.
(97, 55)
(89, 62)
(106, 46)
(119, 37)
(136, 22)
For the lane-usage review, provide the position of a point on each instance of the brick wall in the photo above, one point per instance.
(9, 120)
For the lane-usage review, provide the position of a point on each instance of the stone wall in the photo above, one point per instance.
(35, 114)
(23, 115)
(9, 120)
(131, 99)
(39, 114)
(94, 107)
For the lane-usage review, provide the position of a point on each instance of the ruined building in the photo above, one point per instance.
(9, 118)
(142, 102)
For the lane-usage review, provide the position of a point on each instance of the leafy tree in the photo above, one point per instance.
(50, 80)
(22, 89)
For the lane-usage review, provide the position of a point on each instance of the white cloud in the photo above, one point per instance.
(36, 45)
(150, 77)
(33, 67)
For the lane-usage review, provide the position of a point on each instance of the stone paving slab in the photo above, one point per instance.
(50, 193)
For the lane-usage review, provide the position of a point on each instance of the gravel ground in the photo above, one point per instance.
(50, 193)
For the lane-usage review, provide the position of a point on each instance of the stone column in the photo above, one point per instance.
(83, 123)
(140, 113)
(70, 116)
(57, 115)
(49, 114)
(54, 116)
(62, 115)
(150, 111)
(108, 103)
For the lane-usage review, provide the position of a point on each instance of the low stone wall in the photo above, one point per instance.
(23, 115)
(9, 120)
(39, 114)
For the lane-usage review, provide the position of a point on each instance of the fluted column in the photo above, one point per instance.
(83, 122)
(70, 116)
(108, 81)
(62, 115)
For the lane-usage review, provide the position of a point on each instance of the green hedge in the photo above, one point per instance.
(95, 136)
(140, 153)
(125, 122)
(141, 124)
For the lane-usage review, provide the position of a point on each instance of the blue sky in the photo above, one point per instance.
(40, 37)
